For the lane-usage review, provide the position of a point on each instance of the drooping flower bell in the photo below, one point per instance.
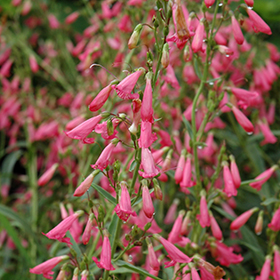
(148, 164)
(100, 99)
(258, 23)
(198, 38)
(105, 257)
(147, 106)
(229, 189)
(46, 177)
(275, 222)
(242, 219)
(237, 33)
(203, 217)
(243, 120)
(148, 206)
(85, 185)
(123, 209)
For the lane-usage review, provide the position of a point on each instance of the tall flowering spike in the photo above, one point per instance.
(148, 164)
(105, 257)
(229, 189)
(46, 177)
(204, 217)
(153, 261)
(234, 172)
(85, 185)
(125, 87)
(243, 120)
(84, 129)
(258, 22)
(105, 156)
(173, 252)
(123, 209)
(147, 106)
(275, 222)
(46, 267)
(180, 168)
(148, 206)
(87, 232)
(187, 174)
(276, 263)
(60, 230)
(263, 177)
(198, 38)
(237, 33)
(216, 231)
(242, 219)
(100, 99)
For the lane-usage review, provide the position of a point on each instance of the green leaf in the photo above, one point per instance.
(104, 193)
(270, 200)
(75, 246)
(188, 127)
(8, 166)
(14, 235)
(223, 213)
(136, 269)
(113, 227)
(132, 166)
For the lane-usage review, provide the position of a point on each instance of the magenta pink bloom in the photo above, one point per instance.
(243, 120)
(250, 3)
(105, 257)
(72, 17)
(148, 206)
(148, 164)
(123, 209)
(237, 33)
(265, 272)
(204, 217)
(194, 273)
(174, 253)
(263, 177)
(224, 255)
(187, 174)
(242, 219)
(46, 177)
(235, 172)
(60, 230)
(153, 261)
(100, 99)
(248, 97)
(104, 158)
(53, 22)
(84, 186)
(125, 87)
(33, 64)
(180, 168)
(46, 267)
(87, 232)
(229, 189)
(84, 129)
(175, 234)
(147, 137)
(216, 231)
(198, 38)
(275, 222)
(268, 136)
(276, 264)
(258, 22)
(147, 106)
(209, 3)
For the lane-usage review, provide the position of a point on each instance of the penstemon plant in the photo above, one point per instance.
(150, 150)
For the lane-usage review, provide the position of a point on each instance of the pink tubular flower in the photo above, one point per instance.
(216, 231)
(265, 272)
(234, 172)
(171, 213)
(153, 261)
(276, 263)
(87, 232)
(148, 206)
(125, 87)
(263, 177)
(258, 22)
(243, 120)
(194, 273)
(209, 3)
(147, 138)
(180, 168)
(105, 257)
(175, 234)
(204, 218)
(268, 136)
(248, 97)
(187, 174)
(173, 252)
(198, 38)
(237, 33)
(46, 267)
(85, 185)
(53, 22)
(100, 99)
(250, 3)
(60, 230)
(103, 159)
(148, 164)
(123, 209)
(46, 177)
(275, 222)
(72, 18)
(84, 129)
(242, 219)
(224, 255)
(229, 189)
(147, 108)
(33, 64)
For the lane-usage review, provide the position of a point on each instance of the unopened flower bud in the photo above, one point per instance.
(259, 223)
(134, 38)
(165, 56)
(157, 189)
(147, 226)
(187, 54)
